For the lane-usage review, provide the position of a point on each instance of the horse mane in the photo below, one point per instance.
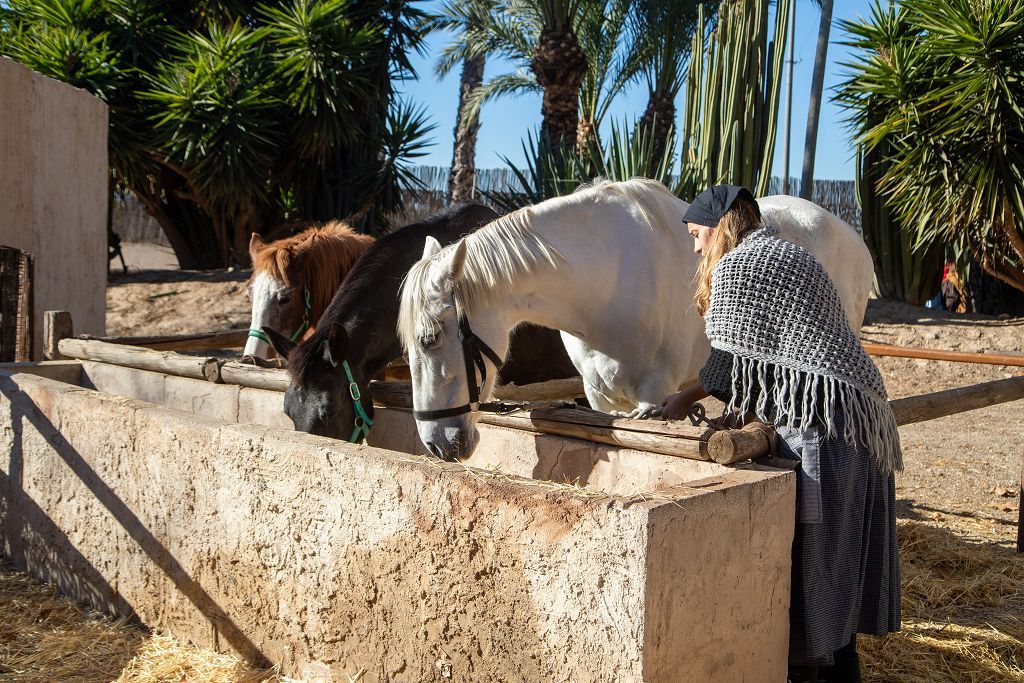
(313, 259)
(377, 262)
(508, 248)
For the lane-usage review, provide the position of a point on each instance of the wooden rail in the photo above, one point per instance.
(937, 354)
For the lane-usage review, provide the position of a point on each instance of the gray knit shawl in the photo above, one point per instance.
(775, 309)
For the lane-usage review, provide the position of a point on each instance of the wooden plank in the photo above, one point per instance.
(26, 309)
(693, 449)
(10, 299)
(57, 325)
(246, 375)
(950, 402)
(226, 339)
(937, 354)
(196, 367)
(551, 390)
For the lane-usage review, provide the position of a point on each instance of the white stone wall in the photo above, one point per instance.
(53, 192)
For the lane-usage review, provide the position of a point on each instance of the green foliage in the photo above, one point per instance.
(938, 91)
(228, 118)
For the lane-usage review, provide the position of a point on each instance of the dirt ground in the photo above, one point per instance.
(963, 585)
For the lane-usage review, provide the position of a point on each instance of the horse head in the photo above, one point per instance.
(453, 360)
(280, 298)
(327, 396)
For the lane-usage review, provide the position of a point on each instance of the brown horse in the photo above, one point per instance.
(293, 280)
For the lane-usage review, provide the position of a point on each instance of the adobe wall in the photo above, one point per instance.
(53, 193)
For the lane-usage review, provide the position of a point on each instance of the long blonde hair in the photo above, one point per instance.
(742, 218)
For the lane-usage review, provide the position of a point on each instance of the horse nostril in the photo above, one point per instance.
(433, 449)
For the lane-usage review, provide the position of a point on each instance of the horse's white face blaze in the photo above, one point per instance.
(438, 367)
(269, 298)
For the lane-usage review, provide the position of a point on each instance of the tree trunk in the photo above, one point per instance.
(462, 181)
(814, 106)
(657, 121)
(560, 67)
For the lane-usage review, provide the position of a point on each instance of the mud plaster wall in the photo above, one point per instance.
(328, 558)
(53, 202)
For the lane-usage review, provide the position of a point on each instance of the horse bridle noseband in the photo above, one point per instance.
(307, 310)
(473, 350)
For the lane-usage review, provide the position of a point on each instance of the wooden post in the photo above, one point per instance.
(227, 339)
(1020, 509)
(57, 325)
(245, 375)
(16, 300)
(196, 367)
(952, 401)
(734, 445)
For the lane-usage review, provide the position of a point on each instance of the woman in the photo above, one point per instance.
(783, 350)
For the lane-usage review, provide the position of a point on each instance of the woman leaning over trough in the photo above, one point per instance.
(783, 350)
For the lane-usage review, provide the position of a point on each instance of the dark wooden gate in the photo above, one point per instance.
(15, 305)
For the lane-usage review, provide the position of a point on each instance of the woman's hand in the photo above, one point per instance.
(676, 406)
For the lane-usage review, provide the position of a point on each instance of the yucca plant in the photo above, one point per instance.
(937, 91)
(228, 118)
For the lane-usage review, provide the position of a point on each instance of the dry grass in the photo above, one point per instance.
(963, 620)
(46, 638)
(963, 610)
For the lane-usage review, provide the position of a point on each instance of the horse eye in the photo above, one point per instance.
(284, 298)
(430, 342)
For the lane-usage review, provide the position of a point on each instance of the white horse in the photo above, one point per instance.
(612, 267)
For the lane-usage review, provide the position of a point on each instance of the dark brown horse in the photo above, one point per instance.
(356, 337)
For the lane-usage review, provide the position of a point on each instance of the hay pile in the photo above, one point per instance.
(46, 638)
(963, 610)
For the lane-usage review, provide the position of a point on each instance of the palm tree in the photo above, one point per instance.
(466, 19)
(814, 104)
(936, 91)
(661, 34)
(540, 37)
(601, 30)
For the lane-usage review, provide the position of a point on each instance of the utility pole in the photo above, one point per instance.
(789, 99)
(814, 106)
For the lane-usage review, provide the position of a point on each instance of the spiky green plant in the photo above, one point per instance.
(937, 90)
(232, 117)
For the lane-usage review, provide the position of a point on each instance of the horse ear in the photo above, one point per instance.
(282, 344)
(256, 243)
(336, 345)
(456, 259)
(430, 247)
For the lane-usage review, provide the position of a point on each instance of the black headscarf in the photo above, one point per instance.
(710, 205)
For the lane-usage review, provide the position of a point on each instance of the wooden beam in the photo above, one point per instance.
(57, 325)
(952, 401)
(196, 367)
(937, 354)
(735, 445)
(226, 339)
(551, 390)
(245, 375)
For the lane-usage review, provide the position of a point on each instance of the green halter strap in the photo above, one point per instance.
(308, 308)
(362, 420)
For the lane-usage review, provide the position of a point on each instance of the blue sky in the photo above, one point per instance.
(507, 121)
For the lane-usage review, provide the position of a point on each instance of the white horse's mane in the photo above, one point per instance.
(506, 249)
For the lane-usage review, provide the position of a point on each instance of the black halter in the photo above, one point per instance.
(472, 347)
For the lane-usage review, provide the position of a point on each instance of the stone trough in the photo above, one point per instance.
(194, 507)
